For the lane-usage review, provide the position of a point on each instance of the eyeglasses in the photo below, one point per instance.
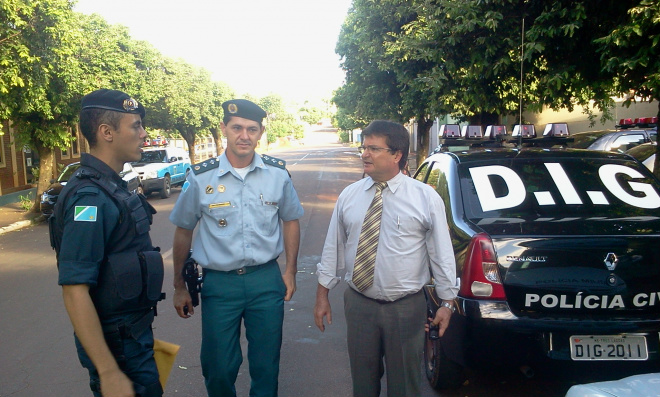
(373, 149)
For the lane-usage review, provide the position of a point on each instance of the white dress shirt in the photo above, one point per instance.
(413, 234)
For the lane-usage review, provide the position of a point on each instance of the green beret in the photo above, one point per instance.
(244, 109)
(114, 100)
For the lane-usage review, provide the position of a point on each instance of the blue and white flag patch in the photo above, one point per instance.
(85, 213)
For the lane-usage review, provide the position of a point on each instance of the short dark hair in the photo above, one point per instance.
(396, 137)
(92, 118)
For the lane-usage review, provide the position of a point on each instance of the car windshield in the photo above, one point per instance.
(68, 171)
(585, 139)
(533, 189)
(153, 156)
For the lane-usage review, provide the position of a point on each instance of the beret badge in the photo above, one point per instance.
(232, 108)
(130, 104)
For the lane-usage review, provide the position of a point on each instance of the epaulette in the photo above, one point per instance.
(274, 161)
(206, 165)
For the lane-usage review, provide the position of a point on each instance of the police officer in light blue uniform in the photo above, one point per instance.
(247, 211)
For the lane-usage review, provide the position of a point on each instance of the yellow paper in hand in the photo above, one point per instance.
(164, 354)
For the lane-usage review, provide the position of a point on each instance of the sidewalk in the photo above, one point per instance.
(12, 216)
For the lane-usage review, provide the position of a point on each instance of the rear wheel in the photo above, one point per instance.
(167, 187)
(441, 372)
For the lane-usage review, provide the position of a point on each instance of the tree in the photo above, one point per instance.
(631, 53)
(436, 57)
(377, 81)
(186, 99)
(39, 92)
(280, 122)
(220, 93)
(310, 114)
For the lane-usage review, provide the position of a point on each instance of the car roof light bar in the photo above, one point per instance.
(556, 130)
(472, 132)
(450, 131)
(495, 131)
(640, 122)
(524, 131)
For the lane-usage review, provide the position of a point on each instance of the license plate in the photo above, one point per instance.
(608, 347)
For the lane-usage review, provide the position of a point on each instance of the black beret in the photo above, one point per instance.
(245, 109)
(112, 100)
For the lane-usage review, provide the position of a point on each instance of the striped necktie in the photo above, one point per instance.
(365, 259)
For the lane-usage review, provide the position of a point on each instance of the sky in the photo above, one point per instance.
(284, 47)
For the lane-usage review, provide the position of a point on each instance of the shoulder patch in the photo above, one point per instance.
(274, 161)
(205, 166)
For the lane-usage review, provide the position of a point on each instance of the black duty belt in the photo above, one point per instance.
(244, 269)
(132, 329)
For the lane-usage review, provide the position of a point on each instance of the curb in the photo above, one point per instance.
(21, 224)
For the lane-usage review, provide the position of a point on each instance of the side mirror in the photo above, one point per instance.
(173, 159)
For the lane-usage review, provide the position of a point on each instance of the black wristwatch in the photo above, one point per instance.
(448, 306)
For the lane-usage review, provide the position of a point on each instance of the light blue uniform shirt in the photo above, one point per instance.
(239, 219)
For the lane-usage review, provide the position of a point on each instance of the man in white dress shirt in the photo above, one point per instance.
(385, 320)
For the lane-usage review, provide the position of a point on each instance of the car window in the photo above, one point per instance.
(153, 156)
(585, 139)
(532, 189)
(653, 134)
(626, 142)
(68, 172)
(421, 172)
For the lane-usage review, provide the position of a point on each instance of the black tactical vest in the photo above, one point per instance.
(131, 276)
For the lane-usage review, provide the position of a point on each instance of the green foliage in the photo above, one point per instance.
(428, 58)
(344, 136)
(311, 114)
(26, 202)
(280, 121)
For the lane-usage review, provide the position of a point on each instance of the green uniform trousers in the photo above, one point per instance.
(257, 298)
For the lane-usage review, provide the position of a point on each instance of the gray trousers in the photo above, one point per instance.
(385, 336)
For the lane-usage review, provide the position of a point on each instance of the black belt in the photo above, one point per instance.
(244, 269)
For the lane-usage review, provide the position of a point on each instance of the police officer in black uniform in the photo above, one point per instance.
(111, 274)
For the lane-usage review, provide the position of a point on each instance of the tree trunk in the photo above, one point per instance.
(218, 142)
(189, 137)
(423, 138)
(46, 168)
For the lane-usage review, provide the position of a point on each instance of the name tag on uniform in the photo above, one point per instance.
(218, 205)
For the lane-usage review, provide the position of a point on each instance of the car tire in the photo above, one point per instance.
(441, 372)
(167, 188)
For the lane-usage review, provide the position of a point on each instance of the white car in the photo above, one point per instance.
(646, 385)
(162, 168)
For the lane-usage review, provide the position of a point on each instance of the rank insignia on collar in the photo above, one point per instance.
(209, 189)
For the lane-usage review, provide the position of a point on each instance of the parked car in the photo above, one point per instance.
(644, 153)
(49, 196)
(162, 168)
(557, 259)
(613, 141)
(159, 141)
(632, 386)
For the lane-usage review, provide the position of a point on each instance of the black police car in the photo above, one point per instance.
(557, 251)
(49, 196)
